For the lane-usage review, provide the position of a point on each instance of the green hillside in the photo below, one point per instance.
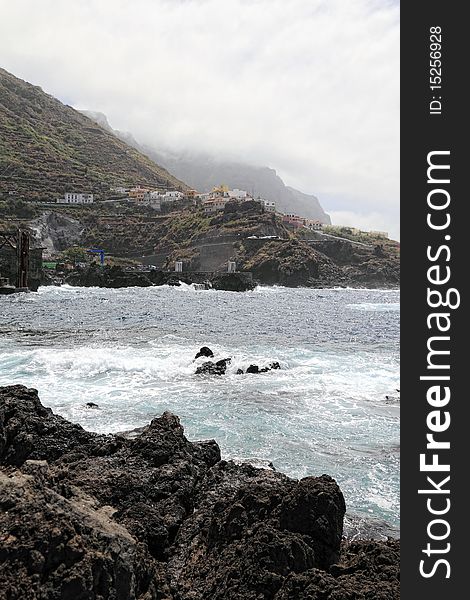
(48, 148)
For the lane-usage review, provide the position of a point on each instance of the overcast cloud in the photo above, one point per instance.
(308, 87)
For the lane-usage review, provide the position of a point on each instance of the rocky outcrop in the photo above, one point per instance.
(287, 262)
(233, 282)
(263, 529)
(149, 515)
(220, 367)
(296, 263)
(108, 277)
(205, 351)
(59, 547)
(375, 265)
(117, 277)
(365, 572)
(256, 369)
(213, 368)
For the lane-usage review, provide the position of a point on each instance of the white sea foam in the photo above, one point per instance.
(132, 351)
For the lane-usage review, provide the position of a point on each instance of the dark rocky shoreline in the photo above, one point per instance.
(150, 515)
(117, 277)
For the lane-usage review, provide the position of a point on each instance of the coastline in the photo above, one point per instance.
(153, 515)
(324, 411)
(240, 281)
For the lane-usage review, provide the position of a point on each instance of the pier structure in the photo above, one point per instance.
(19, 262)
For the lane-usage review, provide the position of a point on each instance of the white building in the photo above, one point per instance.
(268, 205)
(171, 196)
(152, 199)
(72, 198)
(224, 192)
(237, 194)
(313, 224)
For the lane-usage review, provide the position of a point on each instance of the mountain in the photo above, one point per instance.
(203, 172)
(48, 148)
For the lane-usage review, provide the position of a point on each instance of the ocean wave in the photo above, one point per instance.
(131, 351)
(376, 306)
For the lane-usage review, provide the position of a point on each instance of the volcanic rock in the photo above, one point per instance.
(108, 277)
(148, 515)
(204, 351)
(211, 368)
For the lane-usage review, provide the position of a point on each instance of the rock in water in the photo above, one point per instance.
(233, 282)
(152, 516)
(204, 351)
(257, 369)
(211, 368)
(91, 405)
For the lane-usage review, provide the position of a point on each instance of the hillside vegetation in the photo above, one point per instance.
(48, 148)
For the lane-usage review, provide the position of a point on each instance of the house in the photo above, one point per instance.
(268, 205)
(171, 196)
(220, 191)
(74, 198)
(237, 194)
(380, 234)
(120, 190)
(137, 193)
(152, 199)
(293, 220)
(213, 205)
(313, 224)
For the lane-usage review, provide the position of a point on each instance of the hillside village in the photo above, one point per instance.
(194, 235)
(76, 195)
(168, 200)
(162, 200)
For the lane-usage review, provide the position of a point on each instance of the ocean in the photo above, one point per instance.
(131, 351)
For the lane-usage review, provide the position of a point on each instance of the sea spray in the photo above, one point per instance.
(132, 351)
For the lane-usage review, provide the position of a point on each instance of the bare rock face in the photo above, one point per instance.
(291, 263)
(57, 547)
(255, 529)
(56, 231)
(149, 515)
(368, 570)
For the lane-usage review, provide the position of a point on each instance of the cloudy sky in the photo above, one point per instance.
(308, 87)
